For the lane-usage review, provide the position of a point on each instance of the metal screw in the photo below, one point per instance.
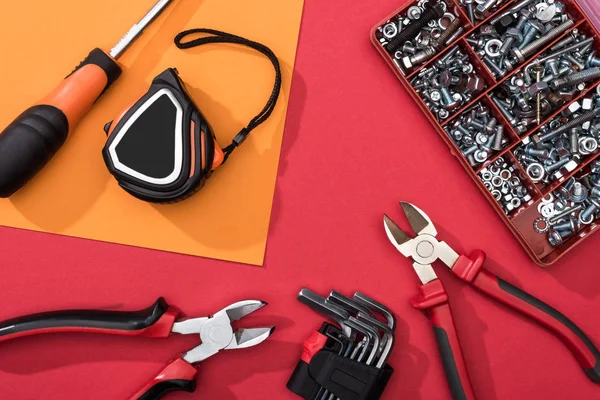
(575, 61)
(507, 114)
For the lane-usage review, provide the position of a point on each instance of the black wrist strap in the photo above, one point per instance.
(223, 37)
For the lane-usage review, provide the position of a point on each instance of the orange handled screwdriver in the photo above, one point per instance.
(32, 139)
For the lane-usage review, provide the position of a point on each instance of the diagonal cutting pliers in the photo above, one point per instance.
(157, 321)
(424, 249)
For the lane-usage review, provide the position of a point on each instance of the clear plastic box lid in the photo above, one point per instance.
(592, 9)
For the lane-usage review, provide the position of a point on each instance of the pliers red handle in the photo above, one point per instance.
(157, 321)
(424, 249)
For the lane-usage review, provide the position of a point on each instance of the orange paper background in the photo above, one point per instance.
(75, 195)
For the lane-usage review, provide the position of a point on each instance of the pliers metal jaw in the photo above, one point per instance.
(424, 249)
(216, 332)
(160, 320)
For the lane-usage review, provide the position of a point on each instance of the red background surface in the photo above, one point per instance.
(355, 144)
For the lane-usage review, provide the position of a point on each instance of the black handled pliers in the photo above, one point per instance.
(157, 321)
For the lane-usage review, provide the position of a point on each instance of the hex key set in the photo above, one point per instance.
(513, 88)
(346, 360)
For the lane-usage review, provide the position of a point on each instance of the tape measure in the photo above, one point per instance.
(162, 149)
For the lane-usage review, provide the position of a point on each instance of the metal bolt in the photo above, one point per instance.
(450, 30)
(534, 28)
(587, 216)
(409, 48)
(570, 225)
(419, 58)
(463, 130)
(575, 122)
(491, 124)
(575, 61)
(556, 238)
(498, 139)
(533, 152)
(476, 42)
(576, 78)
(446, 96)
(474, 123)
(557, 165)
(413, 29)
(484, 9)
(574, 140)
(507, 114)
(499, 71)
(470, 150)
(564, 213)
(512, 35)
(592, 60)
(531, 48)
(552, 64)
(579, 193)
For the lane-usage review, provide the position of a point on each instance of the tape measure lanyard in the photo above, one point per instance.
(223, 37)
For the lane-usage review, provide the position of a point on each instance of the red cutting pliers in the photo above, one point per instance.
(157, 321)
(424, 249)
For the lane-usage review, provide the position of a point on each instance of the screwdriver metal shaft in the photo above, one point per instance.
(137, 30)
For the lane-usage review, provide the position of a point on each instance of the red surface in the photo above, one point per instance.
(355, 145)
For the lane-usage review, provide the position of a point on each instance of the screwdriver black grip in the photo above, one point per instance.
(28, 143)
(32, 139)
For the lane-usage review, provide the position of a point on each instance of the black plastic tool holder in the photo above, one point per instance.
(346, 379)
